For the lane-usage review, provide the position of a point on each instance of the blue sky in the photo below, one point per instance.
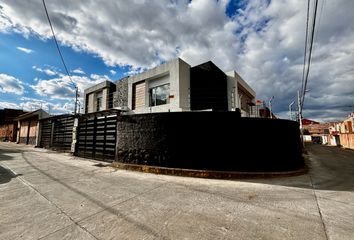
(42, 55)
(262, 40)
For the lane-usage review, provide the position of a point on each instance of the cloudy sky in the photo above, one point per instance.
(106, 40)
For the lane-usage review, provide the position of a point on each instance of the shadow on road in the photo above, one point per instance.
(6, 175)
(5, 154)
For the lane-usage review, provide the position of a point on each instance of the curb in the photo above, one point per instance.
(207, 173)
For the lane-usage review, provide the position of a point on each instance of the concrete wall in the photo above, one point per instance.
(176, 73)
(184, 85)
(209, 140)
(244, 93)
(90, 103)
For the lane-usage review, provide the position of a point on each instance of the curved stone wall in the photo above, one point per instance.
(209, 141)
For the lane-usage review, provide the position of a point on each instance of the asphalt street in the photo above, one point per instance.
(50, 195)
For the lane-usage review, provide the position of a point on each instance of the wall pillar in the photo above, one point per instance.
(38, 134)
(74, 137)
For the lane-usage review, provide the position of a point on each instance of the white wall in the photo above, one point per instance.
(176, 73)
(90, 104)
(232, 96)
(307, 138)
(184, 85)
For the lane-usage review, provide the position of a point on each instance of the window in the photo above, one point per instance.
(159, 95)
(99, 101)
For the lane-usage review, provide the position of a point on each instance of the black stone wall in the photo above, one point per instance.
(209, 140)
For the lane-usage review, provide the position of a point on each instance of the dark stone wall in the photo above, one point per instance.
(208, 88)
(209, 140)
(121, 94)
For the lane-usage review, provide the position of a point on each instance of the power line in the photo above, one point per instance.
(310, 54)
(306, 41)
(61, 55)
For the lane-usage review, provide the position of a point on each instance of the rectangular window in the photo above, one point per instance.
(159, 95)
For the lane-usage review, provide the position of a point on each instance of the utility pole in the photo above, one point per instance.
(270, 107)
(76, 96)
(290, 113)
(299, 109)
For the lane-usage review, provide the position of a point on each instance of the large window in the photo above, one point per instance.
(159, 95)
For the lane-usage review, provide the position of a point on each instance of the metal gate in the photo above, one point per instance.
(56, 132)
(96, 136)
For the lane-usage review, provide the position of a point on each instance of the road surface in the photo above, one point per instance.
(49, 195)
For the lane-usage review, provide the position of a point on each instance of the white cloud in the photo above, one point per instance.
(98, 77)
(61, 107)
(63, 88)
(78, 71)
(9, 105)
(26, 50)
(48, 71)
(112, 72)
(263, 41)
(10, 84)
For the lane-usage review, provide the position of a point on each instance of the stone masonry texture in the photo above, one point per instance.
(209, 140)
(121, 94)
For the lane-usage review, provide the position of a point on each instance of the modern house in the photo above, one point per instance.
(99, 97)
(172, 87)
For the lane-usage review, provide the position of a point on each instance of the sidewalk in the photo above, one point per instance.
(49, 195)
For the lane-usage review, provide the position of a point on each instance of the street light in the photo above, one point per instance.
(290, 113)
(270, 107)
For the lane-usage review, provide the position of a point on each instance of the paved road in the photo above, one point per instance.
(46, 195)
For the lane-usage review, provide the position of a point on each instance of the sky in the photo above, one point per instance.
(106, 40)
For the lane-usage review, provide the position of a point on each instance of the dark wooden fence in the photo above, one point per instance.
(96, 136)
(56, 132)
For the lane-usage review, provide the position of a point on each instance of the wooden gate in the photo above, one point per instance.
(96, 136)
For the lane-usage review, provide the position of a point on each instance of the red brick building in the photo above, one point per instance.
(8, 124)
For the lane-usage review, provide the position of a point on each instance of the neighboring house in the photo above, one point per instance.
(28, 127)
(176, 86)
(99, 97)
(334, 134)
(347, 132)
(317, 131)
(8, 124)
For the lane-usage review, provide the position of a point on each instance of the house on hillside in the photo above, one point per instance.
(174, 86)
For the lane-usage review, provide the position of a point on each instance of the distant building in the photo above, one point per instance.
(332, 134)
(347, 132)
(174, 86)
